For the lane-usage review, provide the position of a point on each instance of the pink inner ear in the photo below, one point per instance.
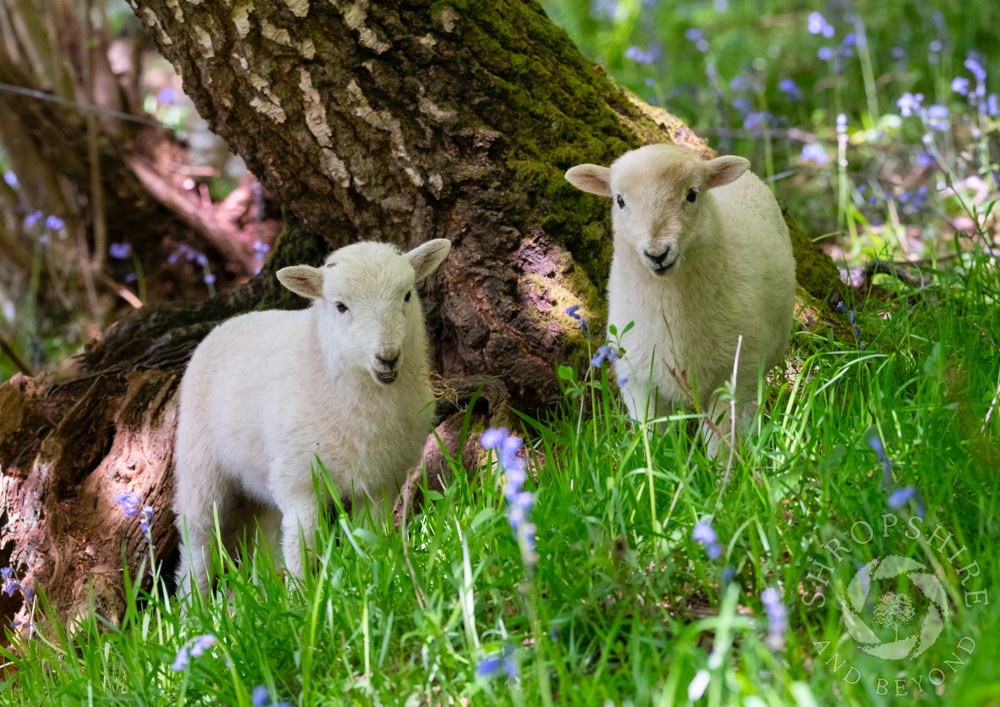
(723, 170)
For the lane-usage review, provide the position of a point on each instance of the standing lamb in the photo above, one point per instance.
(266, 393)
(701, 256)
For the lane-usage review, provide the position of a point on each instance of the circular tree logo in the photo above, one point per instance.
(890, 591)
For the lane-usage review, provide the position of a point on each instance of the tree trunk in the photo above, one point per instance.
(395, 121)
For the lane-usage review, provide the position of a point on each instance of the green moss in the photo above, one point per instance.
(814, 270)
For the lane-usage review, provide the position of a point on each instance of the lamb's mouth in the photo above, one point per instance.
(386, 377)
(661, 268)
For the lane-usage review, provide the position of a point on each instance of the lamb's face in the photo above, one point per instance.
(655, 203)
(367, 301)
(657, 196)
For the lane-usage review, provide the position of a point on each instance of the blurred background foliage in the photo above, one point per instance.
(875, 122)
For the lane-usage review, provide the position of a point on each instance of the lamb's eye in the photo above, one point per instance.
(692, 195)
(621, 201)
(407, 298)
(341, 307)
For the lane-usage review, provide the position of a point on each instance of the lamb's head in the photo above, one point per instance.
(367, 302)
(657, 193)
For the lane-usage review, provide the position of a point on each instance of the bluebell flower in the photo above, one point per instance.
(960, 85)
(166, 95)
(992, 109)
(900, 497)
(493, 437)
(697, 37)
(519, 502)
(11, 179)
(814, 152)
(202, 643)
(825, 53)
(194, 648)
(975, 67)
(54, 223)
(743, 105)
(31, 219)
(790, 89)
(818, 25)
(260, 696)
(643, 56)
(491, 664)
(120, 251)
(698, 685)
(603, 9)
(129, 503)
(209, 278)
(937, 117)
(756, 120)
(572, 312)
(777, 618)
(704, 534)
(606, 353)
(10, 583)
(841, 123)
(181, 660)
(910, 104)
(146, 522)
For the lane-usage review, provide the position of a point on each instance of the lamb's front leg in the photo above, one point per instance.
(299, 517)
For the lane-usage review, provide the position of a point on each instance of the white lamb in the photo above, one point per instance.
(266, 393)
(701, 256)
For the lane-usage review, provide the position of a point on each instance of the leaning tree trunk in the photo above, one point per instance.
(396, 121)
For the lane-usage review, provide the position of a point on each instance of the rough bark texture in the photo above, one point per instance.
(396, 121)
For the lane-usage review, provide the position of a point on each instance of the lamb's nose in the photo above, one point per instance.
(658, 259)
(388, 362)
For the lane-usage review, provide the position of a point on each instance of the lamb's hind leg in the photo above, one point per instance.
(202, 491)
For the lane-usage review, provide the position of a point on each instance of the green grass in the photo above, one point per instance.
(623, 605)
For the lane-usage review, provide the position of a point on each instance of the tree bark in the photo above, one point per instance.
(396, 121)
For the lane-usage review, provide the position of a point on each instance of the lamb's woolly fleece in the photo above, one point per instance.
(267, 392)
(693, 273)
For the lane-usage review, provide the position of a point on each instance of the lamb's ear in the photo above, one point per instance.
(590, 178)
(427, 257)
(302, 280)
(723, 170)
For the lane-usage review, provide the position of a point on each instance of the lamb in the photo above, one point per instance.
(266, 393)
(701, 257)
